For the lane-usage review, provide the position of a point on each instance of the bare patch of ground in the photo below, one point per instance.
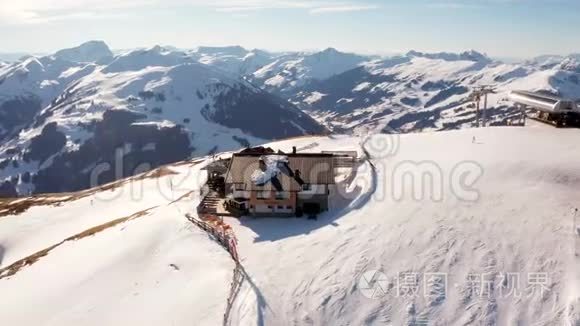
(157, 173)
(182, 197)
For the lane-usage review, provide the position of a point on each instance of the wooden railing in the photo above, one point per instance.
(219, 231)
(224, 235)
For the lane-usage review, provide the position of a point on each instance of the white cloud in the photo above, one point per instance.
(473, 4)
(454, 5)
(338, 9)
(42, 11)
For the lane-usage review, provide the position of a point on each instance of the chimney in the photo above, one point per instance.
(293, 149)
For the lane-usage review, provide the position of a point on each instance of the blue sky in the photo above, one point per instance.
(502, 28)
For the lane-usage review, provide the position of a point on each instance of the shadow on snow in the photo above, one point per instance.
(273, 229)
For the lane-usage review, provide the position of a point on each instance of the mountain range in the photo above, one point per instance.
(66, 115)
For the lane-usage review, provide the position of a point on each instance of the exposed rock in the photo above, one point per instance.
(117, 142)
(16, 113)
(48, 143)
(7, 190)
(261, 115)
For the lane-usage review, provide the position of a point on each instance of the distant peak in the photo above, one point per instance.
(32, 64)
(473, 55)
(232, 50)
(157, 49)
(91, 45)
(91, 51)
(470, 55)
(330, 50)
(97, 43)
(261, 52)
(570, 64)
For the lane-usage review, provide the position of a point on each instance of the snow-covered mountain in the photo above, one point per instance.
(92, 51)
(233, 59)
(61, 119)
(26, 87)
(13, 56)
(289, 72)
(278, 73)
(470, 55)
(412, 92)
(428, 91)
(550, 61)
(218, 98)
(490, 249)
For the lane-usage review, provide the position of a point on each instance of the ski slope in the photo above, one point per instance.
(154, 269)
(501, 201)
(307, 272)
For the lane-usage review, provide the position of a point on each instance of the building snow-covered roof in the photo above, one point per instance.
(313, 169)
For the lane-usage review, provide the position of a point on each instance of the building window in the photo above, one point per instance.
(263, 195)
(282, 195)
(270, 207)
(280, 207)
(288, 207)
(306, 187)
(251, 206)
(240, 186)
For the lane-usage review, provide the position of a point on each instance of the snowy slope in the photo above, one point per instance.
(156, 105)
(26, 87)
(153, 269)
(233, 59)
(515, 218)
(278, 73)
(520, 221)
(428, 91)
(290, 72)
(549, 61)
